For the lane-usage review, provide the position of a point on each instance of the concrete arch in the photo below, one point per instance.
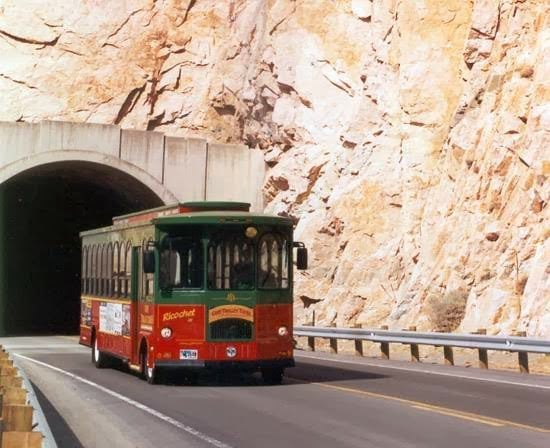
(60, 178)
(72, 155)
(46, 199)
(186, 169)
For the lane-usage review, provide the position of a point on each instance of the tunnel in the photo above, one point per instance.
(42, 211)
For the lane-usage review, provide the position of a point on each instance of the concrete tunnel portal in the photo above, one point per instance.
(42, 211)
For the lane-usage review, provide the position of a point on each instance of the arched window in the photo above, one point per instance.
(148, 278)
(122, 272)
(231, 262)
(109, 271)
(102, 269)
(273, 262)
(91, 270)
(95, 249)
(116, 270)
(84, 269)
(220, 268)
(128, 270)
(99, 269)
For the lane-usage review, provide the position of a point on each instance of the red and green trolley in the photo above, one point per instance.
(191, 286)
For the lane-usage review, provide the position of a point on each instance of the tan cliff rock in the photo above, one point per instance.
(408, 140)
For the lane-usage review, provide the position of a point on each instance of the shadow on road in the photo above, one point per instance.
(304, 372)
(61, 431)
(313, 372)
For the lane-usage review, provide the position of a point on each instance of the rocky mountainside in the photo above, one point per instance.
(408, 140)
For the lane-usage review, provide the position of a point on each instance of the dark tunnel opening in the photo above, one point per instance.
(42, 211)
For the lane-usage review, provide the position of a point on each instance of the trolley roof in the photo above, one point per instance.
(185, 207)
(215, 217)
(207, 212)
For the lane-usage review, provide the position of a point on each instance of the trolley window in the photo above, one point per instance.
(274, 262)
(231, 262)
(181, 263)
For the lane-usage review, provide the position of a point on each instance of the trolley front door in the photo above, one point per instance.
(143, 318)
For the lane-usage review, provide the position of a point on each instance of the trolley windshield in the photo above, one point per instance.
(228, 258)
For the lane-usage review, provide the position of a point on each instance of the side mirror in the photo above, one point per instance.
(149, 261)
(301, 256)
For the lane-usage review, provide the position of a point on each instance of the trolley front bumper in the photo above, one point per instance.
(238, 365)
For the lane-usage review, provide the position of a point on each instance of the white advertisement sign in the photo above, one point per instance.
(110, 318)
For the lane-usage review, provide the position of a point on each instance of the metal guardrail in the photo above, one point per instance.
(23, 423)
(505, 343)
(480, 342)
(40, 422)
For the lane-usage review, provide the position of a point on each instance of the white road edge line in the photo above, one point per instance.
(136, 404)
(454, 375)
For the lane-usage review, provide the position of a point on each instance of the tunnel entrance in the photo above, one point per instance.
(42, 210)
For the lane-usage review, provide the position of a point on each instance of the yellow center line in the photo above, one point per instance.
(458, 415)
(432, 408)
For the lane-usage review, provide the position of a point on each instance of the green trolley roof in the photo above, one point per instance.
(189, 213)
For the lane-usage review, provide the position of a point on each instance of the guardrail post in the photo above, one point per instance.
(482, 352)
(415, 352)
(523, 357)
(16, 439)
(9, 377)
(17, 417)
(6, 363)
(333, 342)
(311, 339)
(449, 357)
(523, 360)
(385, 346)
(358, 343)
(14, 395)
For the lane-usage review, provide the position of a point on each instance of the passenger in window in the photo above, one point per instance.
(242, 276)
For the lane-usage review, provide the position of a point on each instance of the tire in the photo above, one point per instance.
(148, 373)
(99, 359)
(273, 375)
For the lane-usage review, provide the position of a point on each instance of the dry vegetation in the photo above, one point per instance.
(446, 312)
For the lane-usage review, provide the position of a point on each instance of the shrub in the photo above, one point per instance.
(446, 312)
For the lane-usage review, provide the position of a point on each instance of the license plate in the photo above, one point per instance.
(189, 354)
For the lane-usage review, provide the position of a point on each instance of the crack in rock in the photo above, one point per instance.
(122, 25)
(27, 40)
(18, 81)
(129, 103)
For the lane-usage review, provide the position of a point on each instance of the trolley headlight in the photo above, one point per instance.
(283, 331)
(166, 332)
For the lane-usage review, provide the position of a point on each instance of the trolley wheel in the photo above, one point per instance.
(98, 358)
(272, 375)
(148, 373)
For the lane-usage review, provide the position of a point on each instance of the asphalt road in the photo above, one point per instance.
(332, 402)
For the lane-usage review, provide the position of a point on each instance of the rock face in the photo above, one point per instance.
(408, 140)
